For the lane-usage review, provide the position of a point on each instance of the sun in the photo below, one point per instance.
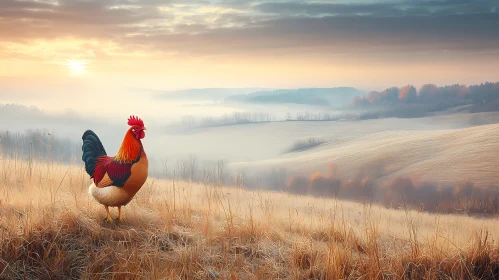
(77, 66)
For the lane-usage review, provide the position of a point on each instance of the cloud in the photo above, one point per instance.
(78, 12)
(387, 8)
(340, 35)
(228, 27)
(28, 19)
(320, 8)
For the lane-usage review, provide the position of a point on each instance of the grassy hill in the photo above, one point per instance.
(441, 155)
(259, 141)
(52, 229)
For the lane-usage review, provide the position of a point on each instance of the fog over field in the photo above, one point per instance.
(69, 110)
(219, 124)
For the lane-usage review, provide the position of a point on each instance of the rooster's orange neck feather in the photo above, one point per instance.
(130, 148)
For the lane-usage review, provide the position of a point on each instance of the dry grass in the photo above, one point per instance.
(51, 229)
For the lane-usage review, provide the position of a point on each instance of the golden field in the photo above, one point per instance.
(50, 228)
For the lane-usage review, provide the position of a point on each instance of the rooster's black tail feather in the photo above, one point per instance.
(92, 149)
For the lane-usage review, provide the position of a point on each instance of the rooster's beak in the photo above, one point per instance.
(145, 128)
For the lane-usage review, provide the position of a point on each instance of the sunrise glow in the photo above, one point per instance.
(77, 67)
(154, 44)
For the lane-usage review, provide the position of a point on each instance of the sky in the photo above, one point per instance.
(101, 47)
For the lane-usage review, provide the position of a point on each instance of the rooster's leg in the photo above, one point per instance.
(108, 217)
(119, 219)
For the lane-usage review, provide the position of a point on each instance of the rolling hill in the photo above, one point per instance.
(441, 155)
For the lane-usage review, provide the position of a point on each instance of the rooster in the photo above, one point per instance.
(116, 179)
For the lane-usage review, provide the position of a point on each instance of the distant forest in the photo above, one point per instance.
(404, 102)
(38, 145)
(409, 102)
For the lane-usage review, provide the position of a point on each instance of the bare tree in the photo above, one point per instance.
(192, 166)
(220, 172)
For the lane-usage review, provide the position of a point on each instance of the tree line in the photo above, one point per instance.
(38, 145)
(480, 98)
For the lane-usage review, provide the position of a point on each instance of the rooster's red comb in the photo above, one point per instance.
(133, 120)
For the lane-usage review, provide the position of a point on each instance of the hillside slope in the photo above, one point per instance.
(440, 155)
(262, 141)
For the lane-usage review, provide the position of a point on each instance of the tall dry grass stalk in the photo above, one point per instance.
(51, 229)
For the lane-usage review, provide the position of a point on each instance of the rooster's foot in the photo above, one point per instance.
(119, 219)
(108, 216)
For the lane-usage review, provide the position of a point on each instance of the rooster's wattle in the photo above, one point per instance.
(116, 179)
